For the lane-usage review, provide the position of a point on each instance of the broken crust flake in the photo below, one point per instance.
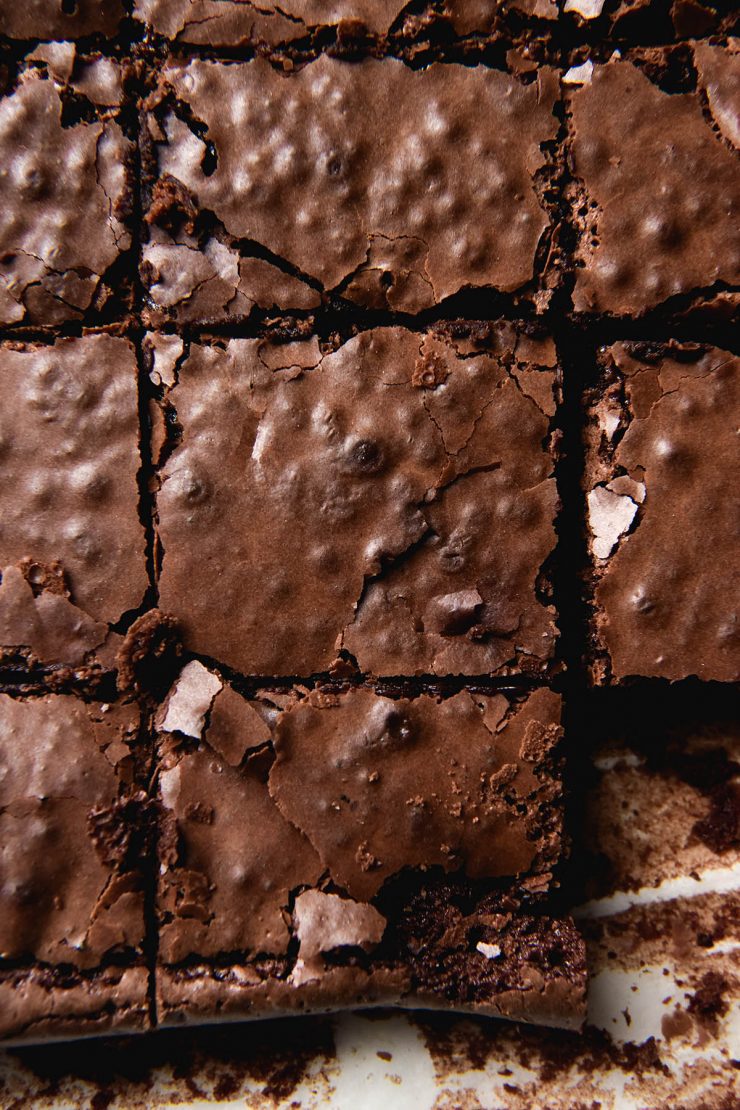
(324, 922)
(189, 701)
(611, 511)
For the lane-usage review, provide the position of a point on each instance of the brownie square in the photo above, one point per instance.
(392, 499)
(661, 471)
(391, 187)
(72, 546)
(657, 185)
(71, 889)
(65, 198)
(344, 849)
(60, 19)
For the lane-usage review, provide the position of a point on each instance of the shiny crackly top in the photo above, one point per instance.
(63, 194)
(70, 458)
(62, 898)
(666, 597)
(60, 19)
(330, 165)
(393, 498)
(362, 787)
(663, 177)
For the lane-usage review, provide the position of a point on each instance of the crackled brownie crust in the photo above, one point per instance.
(72, 830)
(65, 199)
(662, 458)
(393, 498)
(310, 833)
(72, 546)
(60, 19)
(656, 194)
(433, 179)
(306, 22)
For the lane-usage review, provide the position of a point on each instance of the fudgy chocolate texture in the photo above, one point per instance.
(293, 826)
(43, 1004)
(657, 187)
(60, 19)
(71, 543)
(64, 198)
(393, 498)
(72, 831)
(662, 456)
(394, 187)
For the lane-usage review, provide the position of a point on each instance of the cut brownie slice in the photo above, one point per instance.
(65, 196)
(393, 187)
(661, 472)
(322, 850)
(72, 547)
(60, 19)
(393, 498)
(72, 832)
(657, 186)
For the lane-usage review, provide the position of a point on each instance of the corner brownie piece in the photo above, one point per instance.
(392, 187)
(72, 546)
(65, 196)
(657, 186)
(322, 850)
(71, 888)
(60, 19)
(393, 499)
(661, 470)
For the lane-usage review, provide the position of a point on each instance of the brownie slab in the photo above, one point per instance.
(658, 186)
(343, 849)
(661, 462)
(393, 187)
(65, 195)
(393, 498)
(72, 546)
(71, 888)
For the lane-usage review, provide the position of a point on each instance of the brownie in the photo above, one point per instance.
(392, 499)
(392, 187)
(72, 546)
(60, 19)
(343, 848)
(65, 196)
(71, 886)
(661, 465)
(657, 185)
